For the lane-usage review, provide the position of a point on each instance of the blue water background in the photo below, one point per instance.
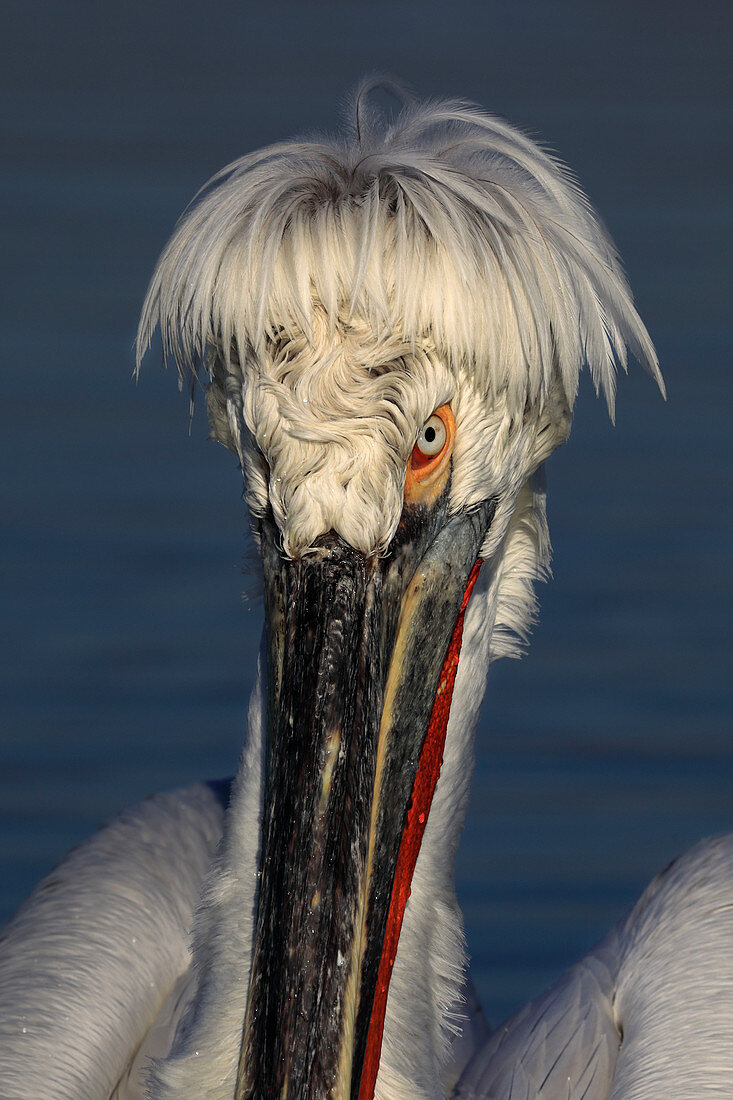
(127, 651)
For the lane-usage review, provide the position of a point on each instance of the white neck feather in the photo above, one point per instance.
(206, 1047)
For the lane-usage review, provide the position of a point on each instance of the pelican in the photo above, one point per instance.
(391, 324)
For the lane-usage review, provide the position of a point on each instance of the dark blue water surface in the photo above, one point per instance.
(127, 652)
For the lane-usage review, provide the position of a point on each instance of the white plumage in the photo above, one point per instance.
(336, 292)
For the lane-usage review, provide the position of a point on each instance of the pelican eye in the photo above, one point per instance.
(431, 437)
(429, 464)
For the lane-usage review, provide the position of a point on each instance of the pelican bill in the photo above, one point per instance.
(355, 650)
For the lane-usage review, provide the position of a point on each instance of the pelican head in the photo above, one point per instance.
(392, 323)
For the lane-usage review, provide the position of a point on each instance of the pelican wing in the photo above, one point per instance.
(562, 1046)
(93, 966)
(647, 1014)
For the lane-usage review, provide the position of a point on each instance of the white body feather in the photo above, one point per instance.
(89, 961)
(647, 1014)
(87, 1000)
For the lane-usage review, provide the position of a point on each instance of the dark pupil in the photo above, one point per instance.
(429, 435)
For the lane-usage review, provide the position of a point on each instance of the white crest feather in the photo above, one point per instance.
(445, 224)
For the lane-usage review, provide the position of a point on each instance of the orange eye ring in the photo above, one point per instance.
(427, 469)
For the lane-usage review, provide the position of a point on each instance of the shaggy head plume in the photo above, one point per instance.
(337, 289)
